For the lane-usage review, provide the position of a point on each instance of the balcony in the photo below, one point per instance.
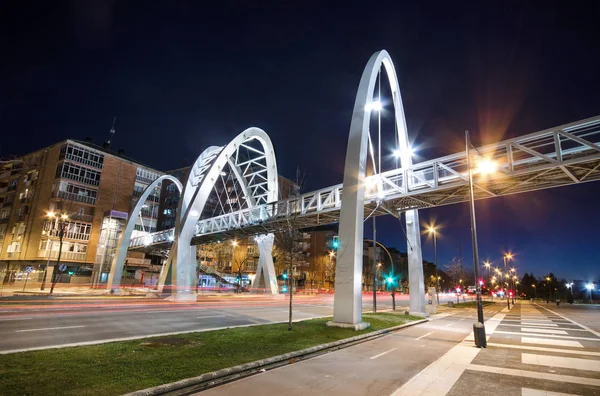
(137, 262)
(75, 256)
(75, 197)
(12, 254)
(78, 236)
(81, 160)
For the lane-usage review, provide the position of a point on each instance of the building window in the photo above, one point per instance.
(72, 192)
(67, 170)
(81, 155)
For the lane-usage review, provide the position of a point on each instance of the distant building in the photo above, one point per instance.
(94, 187)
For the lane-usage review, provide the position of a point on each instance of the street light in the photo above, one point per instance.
(534, 291)
(507, 256)
(433, 231)
(479, 327)
(61, 223)
(549, 280)
(487, 264)
(590, 287)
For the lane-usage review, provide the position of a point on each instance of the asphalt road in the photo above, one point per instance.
(43, 323)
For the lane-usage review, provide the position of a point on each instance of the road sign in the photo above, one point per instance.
(62, 267)
(28, 269)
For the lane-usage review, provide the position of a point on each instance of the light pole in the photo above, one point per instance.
(590, 287)
(487, 264)
(534, 291)
(506, 257)
(484, 167)
(513, 278)
(61, 224)
(51, 216)
(433, 231)
(549, 280)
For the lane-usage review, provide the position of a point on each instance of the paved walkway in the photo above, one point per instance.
(532, 351)
(377, 367)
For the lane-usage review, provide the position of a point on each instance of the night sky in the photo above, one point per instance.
(180, 77)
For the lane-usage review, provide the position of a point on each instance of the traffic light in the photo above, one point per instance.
(285, 275)
(336, 242)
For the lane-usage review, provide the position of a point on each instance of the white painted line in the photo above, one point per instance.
(559, 361)
(440, 376)
(543, 349)
(424, 335)
(383, 353)
(541, 327)
(8, 319)
(548, 335)
(572, 321)
(549, 324)
(543, 331)
(537, 392)
(550, 341)
(535, 375)
(49, 328)
(448, 325)
(212, 316)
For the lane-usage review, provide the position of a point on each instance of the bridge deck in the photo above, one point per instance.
(560, 156)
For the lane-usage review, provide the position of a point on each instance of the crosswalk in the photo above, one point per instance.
(535, 351)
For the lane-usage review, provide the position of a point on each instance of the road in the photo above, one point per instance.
(43, 323)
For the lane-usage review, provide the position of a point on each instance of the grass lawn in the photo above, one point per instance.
(472, 304)
(121, 367)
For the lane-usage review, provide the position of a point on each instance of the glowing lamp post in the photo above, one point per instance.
(433, 231)
(484, 167)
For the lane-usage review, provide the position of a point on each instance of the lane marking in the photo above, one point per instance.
(559, 361)
(572, 321)
(549, 324)
(214, 316)
(383, 353)
(527, 327)
(543, 331)
(440, 376)
(549, 341)
(49, 328)
(548, 335)
(537, 392)
(448, 325)
(424, 335)
(543, 349)
(535, 375)
(8, 319)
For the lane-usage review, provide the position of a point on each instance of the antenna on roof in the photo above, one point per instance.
(112, 128)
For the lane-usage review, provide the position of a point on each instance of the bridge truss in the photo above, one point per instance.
(555, 157)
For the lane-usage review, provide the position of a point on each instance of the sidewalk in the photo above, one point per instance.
(532, 351)
(377, 367)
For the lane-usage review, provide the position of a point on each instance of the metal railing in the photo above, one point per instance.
(558, 156)
(65, 255)
(78, 236)
(74, 197)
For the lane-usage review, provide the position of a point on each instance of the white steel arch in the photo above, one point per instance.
(348, 290)
(256, 172)
(116, 269)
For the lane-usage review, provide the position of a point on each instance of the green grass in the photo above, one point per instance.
(120, 367)
(471, 304)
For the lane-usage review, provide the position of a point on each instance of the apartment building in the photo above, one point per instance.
(93, 187)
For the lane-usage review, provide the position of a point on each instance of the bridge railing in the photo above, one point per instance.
(557, 147)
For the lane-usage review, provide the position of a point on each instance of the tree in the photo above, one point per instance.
(316, 267)
(454, 270)
(288, 239)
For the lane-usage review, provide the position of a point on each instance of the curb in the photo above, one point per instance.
(258, 364)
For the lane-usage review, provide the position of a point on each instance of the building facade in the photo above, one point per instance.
(87, 189)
